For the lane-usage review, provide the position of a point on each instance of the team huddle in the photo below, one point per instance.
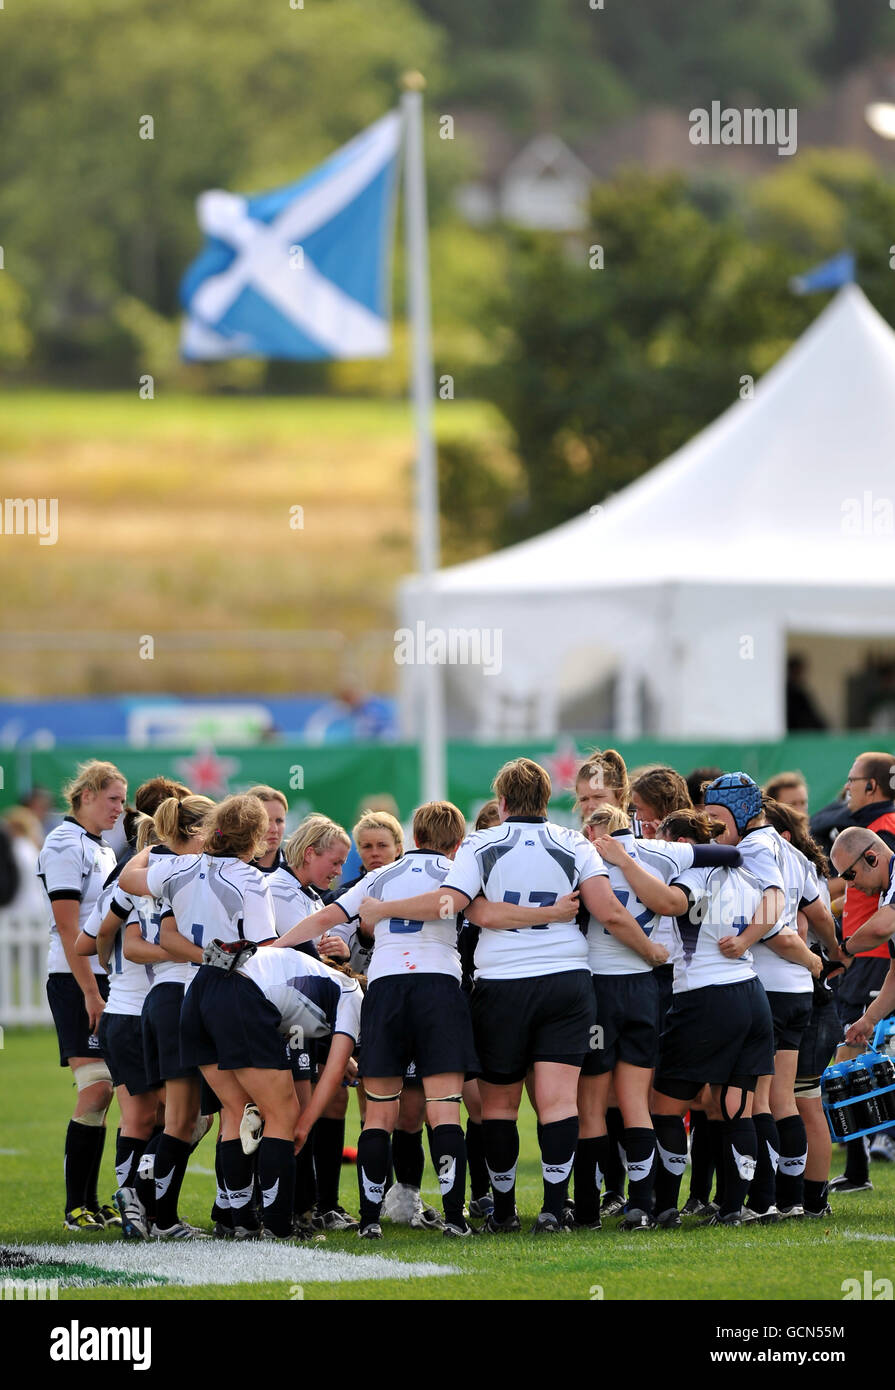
(669, 961)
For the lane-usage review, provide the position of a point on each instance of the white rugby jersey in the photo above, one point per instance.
(407, 945)
(529, 861)
(313, 1000)
(129, 982)
(666, 860)
(163, 862)
(292, 901)
(887, 896)
(73, 865)
(214, 898)
(722, 903)
(799, 885)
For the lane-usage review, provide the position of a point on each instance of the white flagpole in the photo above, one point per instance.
(433, 772)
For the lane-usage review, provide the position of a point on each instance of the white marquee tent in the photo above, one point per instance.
(776, 519)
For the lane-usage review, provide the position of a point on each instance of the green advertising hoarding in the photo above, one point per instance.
(338, 778)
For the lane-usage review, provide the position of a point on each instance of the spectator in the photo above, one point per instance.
(26, 837)
(868, 792)
(790, 789)
(801, 711)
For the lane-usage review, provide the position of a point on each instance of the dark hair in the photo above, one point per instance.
(664, 789)
(689, 825)
(698, 779)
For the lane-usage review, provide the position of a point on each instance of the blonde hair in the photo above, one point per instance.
(91, 777)
(21, 821)
(524, 786)
(265, 793)
(147, 834)
(605, 769)
(381, 820)
(316, 832)
(178, 819)
(237, 826)
(613, 817)
(438, 825)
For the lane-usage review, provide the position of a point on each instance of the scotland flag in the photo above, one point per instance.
(303, 271)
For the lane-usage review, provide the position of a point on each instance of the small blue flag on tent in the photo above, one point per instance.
(831, 275)
(301, 272)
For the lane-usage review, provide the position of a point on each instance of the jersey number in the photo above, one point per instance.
(645, 919)
(537, 899)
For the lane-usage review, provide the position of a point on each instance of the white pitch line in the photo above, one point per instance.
(220, 1262)
(858, 1235)
(11, 1153)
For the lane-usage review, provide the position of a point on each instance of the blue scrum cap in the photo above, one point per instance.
(738, 793)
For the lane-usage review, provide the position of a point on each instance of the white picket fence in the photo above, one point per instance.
(24, 941)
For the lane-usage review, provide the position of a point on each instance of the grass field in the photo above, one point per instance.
(175, 514)
(798, 1260)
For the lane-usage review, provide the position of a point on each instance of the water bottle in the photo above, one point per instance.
(882, 1069)
(835, 1089)
(867, 1111)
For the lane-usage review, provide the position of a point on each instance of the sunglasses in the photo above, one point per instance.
(849, 874)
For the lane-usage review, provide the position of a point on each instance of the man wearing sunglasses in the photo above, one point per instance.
(869, 794)
(865, 861)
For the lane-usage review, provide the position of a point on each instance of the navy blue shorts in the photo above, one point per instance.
(161, 1033)
(70, 1016)
(208, 1099)
(664, 978)
(627, 1022)
(519, 1022)
(819, 1041)
(791, 1014)
(121, 1039)
(720, 1035)
(226, 1019)
(416, 1018)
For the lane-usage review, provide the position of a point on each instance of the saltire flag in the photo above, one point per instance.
(301, 272)
(831, 275)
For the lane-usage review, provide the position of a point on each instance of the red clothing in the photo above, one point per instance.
(858, 906)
